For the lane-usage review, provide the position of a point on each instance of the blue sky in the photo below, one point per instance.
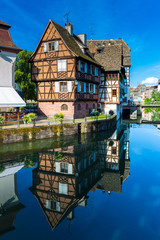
(137, 22)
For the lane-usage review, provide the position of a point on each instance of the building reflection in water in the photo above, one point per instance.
(9, 200)
(64, 176)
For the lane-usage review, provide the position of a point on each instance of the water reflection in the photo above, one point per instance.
(64, 176)
(9, 199)
(151, 114)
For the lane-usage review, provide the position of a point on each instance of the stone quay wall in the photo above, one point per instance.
(33, 133)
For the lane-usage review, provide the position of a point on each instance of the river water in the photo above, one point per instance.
(97, 186)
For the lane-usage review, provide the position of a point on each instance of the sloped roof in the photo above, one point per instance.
(71, 42)
(110, 58)
(5, 38)
(4, 24)
(94, 45)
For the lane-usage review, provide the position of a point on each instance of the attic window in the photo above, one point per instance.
(51, 46)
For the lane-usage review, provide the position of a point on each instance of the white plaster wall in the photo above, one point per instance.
(8, 196)
(117, 108)
(7, 64)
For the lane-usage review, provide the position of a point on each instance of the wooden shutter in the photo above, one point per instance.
(57, 167)
(84, 87)
(90, 69)
(79, 65)
(85, 67)
(58, 206)
(94, 88)
(69, 86)
(45, 47)
(78, 86)
(56, 45)
(48, 204)
(70, 169)
(56, 86)
(89, 87)
(64, 65)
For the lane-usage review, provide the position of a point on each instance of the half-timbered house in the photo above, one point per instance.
(114, 56)
(66, 74)
(62, 180)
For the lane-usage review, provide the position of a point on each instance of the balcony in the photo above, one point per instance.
(87, 77)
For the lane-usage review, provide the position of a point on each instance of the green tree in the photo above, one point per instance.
(148, 101)
(156, 96)
(23, 75)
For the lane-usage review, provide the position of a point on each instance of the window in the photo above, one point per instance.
(64, 167)
(64, 107)
(63, 86)
(96, 71)
(94, 106)
(91, 88)
(79, 107)
(53, 205)
(63, 188)
(114, 150)
(62, 65)
(93, 70)
(114, 92)
(51, 46)
(82, 66)
(81, 87)
(88, 68)
(87, 106)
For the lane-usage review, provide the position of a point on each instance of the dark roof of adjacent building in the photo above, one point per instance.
(111, 54)
(6, 42)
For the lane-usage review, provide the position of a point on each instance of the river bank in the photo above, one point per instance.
(44, 132)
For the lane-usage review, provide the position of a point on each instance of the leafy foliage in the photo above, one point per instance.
(111, 112)
(29, 162)
(58, 116)
(1, 119)
(58, 156)
(94, 113)
(23, 75)
(1, 168)
(29, 118)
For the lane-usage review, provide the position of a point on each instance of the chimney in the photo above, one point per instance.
(83, 38)
(69, 28)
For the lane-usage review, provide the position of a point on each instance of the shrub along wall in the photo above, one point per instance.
(32, 133)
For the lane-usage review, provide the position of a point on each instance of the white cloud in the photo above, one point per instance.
(150, 81)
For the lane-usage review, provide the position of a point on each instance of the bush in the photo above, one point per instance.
(29, 118)
(111, 112)
(2, 168)
(21, 108)
(1, 119)
(58, 116)
(94, 113)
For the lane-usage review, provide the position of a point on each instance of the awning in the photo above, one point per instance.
(10, 98)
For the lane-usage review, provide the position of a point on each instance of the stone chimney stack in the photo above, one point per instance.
(69, 28)
(83, 38)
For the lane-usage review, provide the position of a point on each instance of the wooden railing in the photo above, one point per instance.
(12, 117)
(86, 76)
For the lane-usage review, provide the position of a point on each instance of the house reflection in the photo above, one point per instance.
(65, 175)
(114, 155)
(9, 200)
